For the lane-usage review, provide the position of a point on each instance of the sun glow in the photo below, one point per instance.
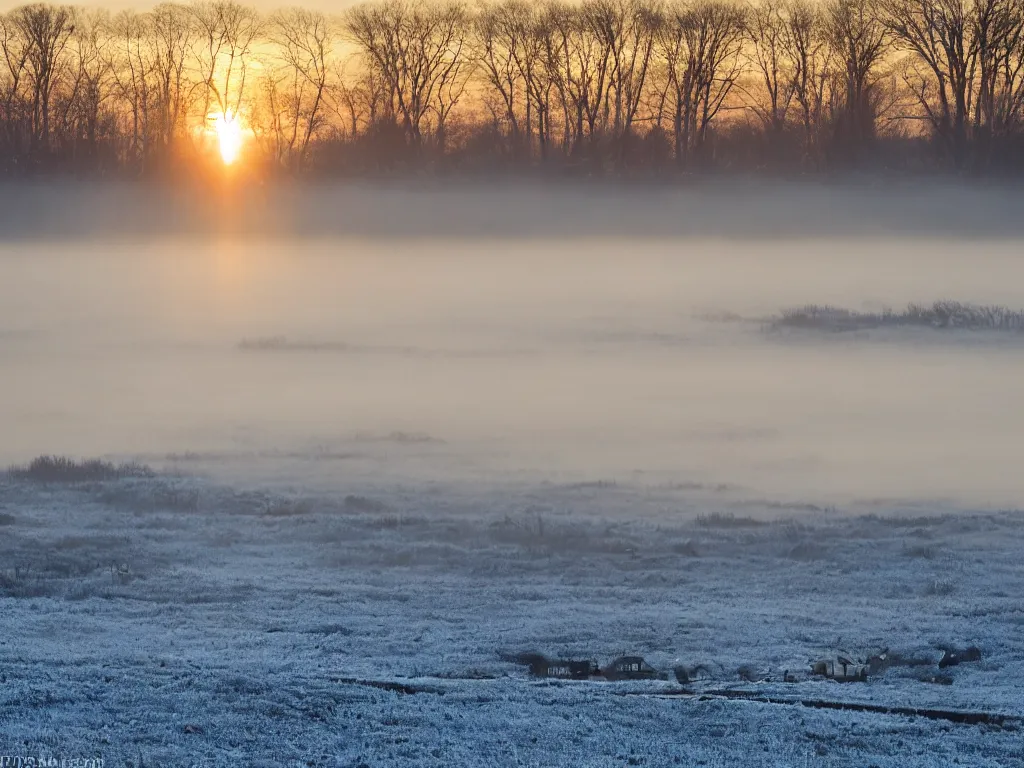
(229, 136)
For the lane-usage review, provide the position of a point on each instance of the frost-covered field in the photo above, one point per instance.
(171, 621)
(399, 434)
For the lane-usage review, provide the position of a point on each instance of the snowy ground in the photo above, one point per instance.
(401, 432)
(246, 619)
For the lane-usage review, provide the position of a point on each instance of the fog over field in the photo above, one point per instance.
(397, 434)
(594, 336)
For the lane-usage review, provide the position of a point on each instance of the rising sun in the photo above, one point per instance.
(229, 136)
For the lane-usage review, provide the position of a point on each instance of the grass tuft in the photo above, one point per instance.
(61, 469)
(940, 314)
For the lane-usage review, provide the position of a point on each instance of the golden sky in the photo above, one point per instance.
(327, 6)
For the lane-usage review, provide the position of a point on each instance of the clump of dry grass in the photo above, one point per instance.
(722, 520)
(61, 469)
(940, 314)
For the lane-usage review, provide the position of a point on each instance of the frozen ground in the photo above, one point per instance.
(400, 432)
(173, 621)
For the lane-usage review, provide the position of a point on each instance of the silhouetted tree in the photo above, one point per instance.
(304, 43)
(593, 84)
(859, 40)
(963, 53)
(46, 30)
(700, 44)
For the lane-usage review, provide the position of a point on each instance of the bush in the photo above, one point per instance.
(941, 314)
(61, 469)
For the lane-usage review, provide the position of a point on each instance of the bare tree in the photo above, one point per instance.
(46, 30)
(939, 34)
(89, 81)
(499, 43)
(172, 37)
(608, 83)
(16, 118)
(626, 29)
(450, 38)
(959, 52)
(1000, 105)
(811, 57)
(130, 67)
(773, 62)
(530, 59)
(304, 44)
(700, 44)
(226, 34)
(419, 51)
(859, 40)
(362, 101)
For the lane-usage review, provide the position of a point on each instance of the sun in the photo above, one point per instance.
(229, 136)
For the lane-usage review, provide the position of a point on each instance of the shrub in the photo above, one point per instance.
(61, 469)
(940, 314)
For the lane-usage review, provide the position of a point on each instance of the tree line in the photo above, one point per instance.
(599, 86)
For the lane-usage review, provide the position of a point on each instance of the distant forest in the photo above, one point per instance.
(598, 87)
